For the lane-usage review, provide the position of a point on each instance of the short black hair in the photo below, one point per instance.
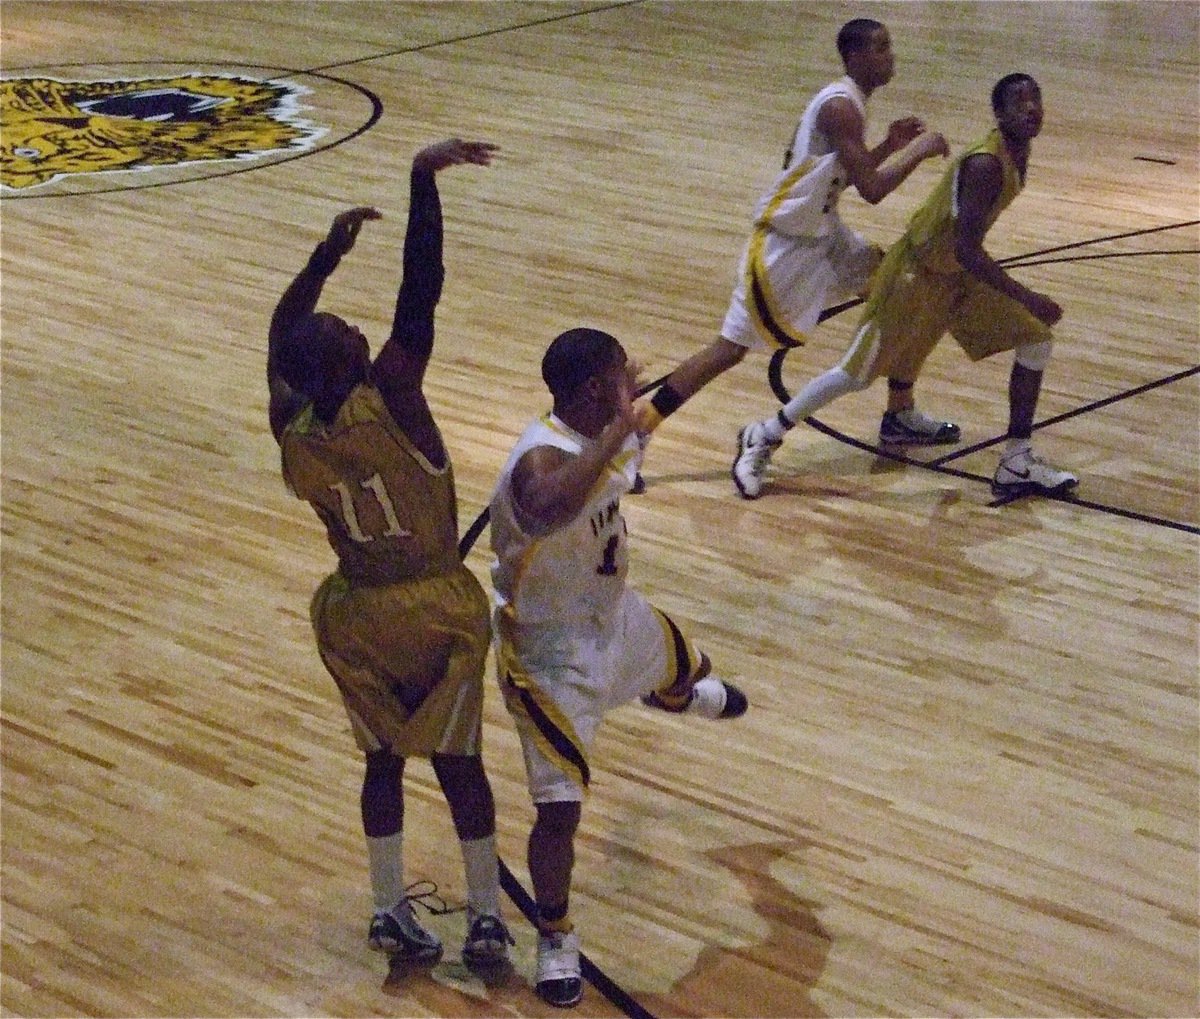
(574, 357)
(1000, 89)
(855, 35)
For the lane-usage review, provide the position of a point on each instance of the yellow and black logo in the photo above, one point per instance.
(50, 129)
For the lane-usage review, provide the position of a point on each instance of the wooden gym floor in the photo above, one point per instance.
(967, 785)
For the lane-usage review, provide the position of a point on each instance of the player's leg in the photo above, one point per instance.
(394, 928)
(986, 323)
(787, 295)
(688, 378)
(338, 613)
(758, 441)
(685, 382)
(1019, 468)
(450, 720)
(916, 314)
(551, 860)
(473, 811)
(652, 659)
(554, 689)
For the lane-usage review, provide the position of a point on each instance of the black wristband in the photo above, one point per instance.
(666, 400)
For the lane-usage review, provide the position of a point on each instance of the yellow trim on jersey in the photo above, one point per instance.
(615, 466)
(536, 715)
(757, 279)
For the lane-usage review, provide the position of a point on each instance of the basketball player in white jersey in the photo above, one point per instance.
(572, 640)
(801, 257)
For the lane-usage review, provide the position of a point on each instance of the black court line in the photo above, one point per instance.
(1111, 254)
(502, 30)
(1094, 405)
(1099, 240)
(938, 465)
(594, 975)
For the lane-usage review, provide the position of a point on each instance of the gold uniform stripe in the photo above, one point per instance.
(682, 662)
(760, 299)
(536, 715)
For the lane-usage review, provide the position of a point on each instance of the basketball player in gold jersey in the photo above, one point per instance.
(401, 625)
(939, 278)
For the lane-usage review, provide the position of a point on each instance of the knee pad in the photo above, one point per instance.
(1034, 356)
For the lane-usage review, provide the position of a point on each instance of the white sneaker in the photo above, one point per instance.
(714, 698)
(753, 455)
(559, 976)
(1023, 472)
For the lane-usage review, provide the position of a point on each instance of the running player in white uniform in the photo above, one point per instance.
(800, 255)
(572, 641)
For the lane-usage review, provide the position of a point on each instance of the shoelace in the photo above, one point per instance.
(425, 894)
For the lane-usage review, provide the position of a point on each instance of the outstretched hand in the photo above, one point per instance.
(453, 152)
(344, 230)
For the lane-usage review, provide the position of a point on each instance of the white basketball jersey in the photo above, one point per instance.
(802, 202)
(576, 571)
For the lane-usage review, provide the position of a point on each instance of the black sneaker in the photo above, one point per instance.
(912, 428)
(487, 940)
(399, 935)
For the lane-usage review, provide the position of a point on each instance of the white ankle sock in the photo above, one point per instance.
(1013, 447)
(483, 874)
(386, 858)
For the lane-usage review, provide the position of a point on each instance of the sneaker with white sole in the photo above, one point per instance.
(910, 427)
(714, 698)
(559, 976)
(1023, 472)
(397, 933)
(709, 697)
(487, 940)
(754, 451)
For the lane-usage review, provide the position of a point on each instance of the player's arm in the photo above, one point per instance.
(900, 133)
(400, 367)
(551, 486)
(840, 121)
(980, 178)
(298, 303)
